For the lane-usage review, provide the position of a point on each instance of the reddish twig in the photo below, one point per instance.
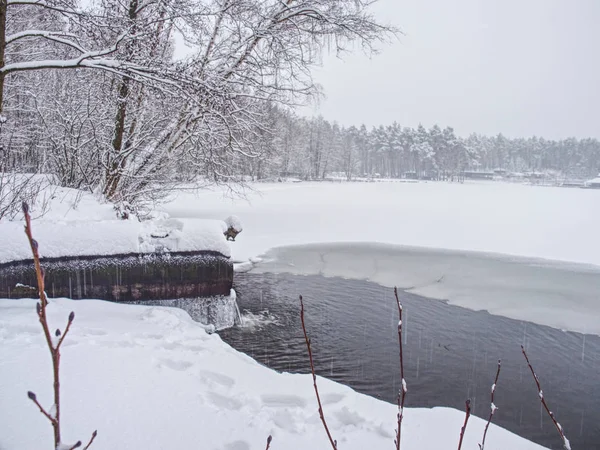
(94, 434)
(312, 369)
(33, 398)
(566, 443)
(493, 407)
(54, 418)
(68, 327)
(464, 427)
(41, 312)
(269, 439)
(402, 391)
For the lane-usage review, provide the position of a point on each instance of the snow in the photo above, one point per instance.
(150, 377)
(243, 267)
(524, 252)
(78, 225)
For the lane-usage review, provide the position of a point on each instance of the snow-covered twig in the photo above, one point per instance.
(566, 443)
(312, 369)
(493, 407)
(53, 345)
(464, 427)
(402, 392)
(269, 439)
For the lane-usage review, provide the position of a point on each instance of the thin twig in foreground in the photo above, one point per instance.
(54, 345)
(402, 391)
(312, 369)
(566, 443)
(493, 407)
(269, 439)
(464, 427)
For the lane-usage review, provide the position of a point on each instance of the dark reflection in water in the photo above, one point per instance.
(450, 352)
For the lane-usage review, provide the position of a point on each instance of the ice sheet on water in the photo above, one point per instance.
(561, 295)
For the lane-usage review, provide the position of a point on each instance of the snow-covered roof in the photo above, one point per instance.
(593, 181)
(109, 237)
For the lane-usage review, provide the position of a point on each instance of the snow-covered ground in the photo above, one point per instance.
(150, 378)
(490, 218)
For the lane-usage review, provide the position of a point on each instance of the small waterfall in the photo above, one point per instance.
(220, 311)
(239, 315)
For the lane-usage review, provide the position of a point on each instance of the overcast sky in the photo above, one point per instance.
(520, 67)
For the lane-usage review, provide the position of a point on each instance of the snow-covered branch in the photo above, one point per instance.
(493, 406)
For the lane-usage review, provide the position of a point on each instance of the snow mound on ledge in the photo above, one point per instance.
(78, 223)
(151, 378)
(110, 237)
(235, 223)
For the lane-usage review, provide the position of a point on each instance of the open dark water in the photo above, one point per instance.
(450, 352)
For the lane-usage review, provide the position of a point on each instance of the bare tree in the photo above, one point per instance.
(205, 112)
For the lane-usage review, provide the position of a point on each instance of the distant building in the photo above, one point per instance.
(593, 183)
(477, 175)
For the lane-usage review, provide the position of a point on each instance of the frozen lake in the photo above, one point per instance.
(514, 219)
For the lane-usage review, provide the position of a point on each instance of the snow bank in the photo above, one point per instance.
(151, 378)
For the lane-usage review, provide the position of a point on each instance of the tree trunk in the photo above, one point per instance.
(116, 164)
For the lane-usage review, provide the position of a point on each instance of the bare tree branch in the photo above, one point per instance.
(566, 443)
(314, 376)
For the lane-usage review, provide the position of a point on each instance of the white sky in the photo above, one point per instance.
(520, 67)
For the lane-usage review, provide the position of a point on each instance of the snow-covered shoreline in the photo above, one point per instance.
(149, 377)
